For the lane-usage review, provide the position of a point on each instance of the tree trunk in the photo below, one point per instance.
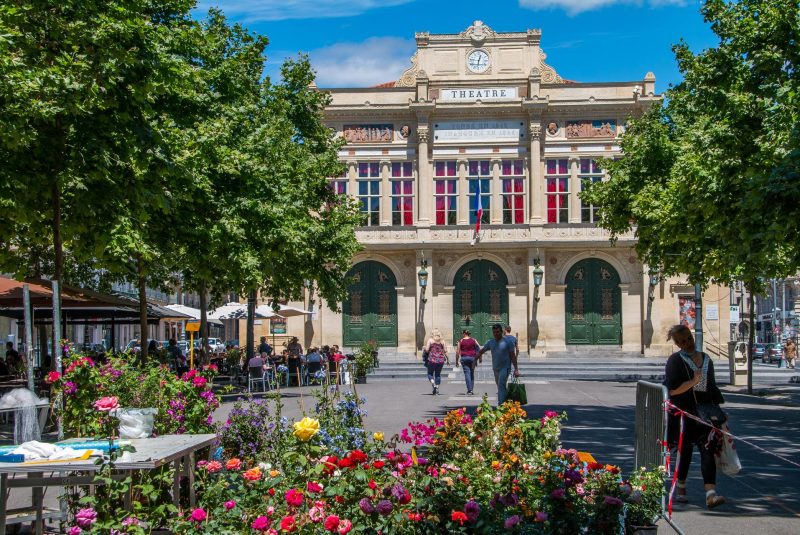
(142, 282)
(203, 321)
(751, 337)
(251, 317)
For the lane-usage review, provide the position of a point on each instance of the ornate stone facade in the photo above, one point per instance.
(419, 150)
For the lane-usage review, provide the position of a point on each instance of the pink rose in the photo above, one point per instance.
(52, 377)
(230, 504)
(344, 526)
(199, 381)
(198, 515)
(260, 524)
(107, 404)
(74, 530)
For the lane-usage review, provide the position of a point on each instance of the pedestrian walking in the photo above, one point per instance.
(467, 354)
(689, 376)
(790, 353)
(437, 356)
(504, 356)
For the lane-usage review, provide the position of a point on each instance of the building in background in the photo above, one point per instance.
(480, 116)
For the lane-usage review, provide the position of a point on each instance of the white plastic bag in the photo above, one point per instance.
(135, 423)
(727, 459)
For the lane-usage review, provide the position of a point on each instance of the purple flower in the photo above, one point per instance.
(473, 511)
(541, 516)
(366, 506)
(572, 477)
(86, 517)
(510, 500)
(384, 507)
(398, 491)
(74, 530)
(130, 521)
(612, 501)
(512, 521)
(70, 388)
(558, 494)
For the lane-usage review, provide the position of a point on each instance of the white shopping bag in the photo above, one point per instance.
(727, 458)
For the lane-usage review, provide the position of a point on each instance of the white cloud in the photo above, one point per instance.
(573, 7)
(265, 10)
(374, 61)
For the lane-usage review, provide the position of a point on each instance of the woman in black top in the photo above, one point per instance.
(689, 376)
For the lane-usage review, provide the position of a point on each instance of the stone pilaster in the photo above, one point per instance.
(386, 192)
(425, 179)
(463, 193)
(536, 174)
(496, 198)
(574, 188)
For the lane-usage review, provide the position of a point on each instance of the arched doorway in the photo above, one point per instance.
(593, 304)
(480, 299)
(370, 311)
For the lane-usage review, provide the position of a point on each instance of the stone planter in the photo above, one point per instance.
(643, 530)
(361, 379)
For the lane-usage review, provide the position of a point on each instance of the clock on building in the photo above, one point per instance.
(478, 61)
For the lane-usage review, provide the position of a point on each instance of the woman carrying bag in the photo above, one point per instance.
(467, 353)
(689, 377)
(437, 356)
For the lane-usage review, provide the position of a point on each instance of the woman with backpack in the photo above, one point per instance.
(437, 356)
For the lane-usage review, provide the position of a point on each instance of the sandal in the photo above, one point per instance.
(713, 500)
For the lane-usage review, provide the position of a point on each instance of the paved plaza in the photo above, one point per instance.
(764, 497)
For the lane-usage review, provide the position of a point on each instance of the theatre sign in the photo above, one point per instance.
(475, 94)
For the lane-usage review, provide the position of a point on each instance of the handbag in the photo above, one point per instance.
(727, 459)
(711, 413)
(516, 392)
(425, 357)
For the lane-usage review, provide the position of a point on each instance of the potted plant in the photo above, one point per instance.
(644, 507)
(365, 360)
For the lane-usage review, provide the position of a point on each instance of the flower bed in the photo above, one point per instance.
(496, 472)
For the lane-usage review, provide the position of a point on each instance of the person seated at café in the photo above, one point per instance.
(295, 351)
(3, 367)
(264, 349)
(313, 361)
(13, 360)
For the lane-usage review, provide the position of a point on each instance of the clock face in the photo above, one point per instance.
(478, 61)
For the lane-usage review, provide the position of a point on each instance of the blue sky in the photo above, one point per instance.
(359, 43)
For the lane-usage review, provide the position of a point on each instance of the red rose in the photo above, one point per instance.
(329, 462)
(331, 523)
(271, 491)
(459, 516)
(287, 523)
(372, 484)
(313, 486)
(345, 462)
(358, 456)
(378, 464)
(294, 497)
(52, 377)
(339, 499)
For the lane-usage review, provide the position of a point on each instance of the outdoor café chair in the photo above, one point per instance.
(256, 375)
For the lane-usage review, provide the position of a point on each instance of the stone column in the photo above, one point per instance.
(463, 193)
(496, 199)
(352, 173)
(386, 192)
(425, 179)
(574, 188)
(536, 175)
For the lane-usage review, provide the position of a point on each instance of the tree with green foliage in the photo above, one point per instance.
(710, 180)
(80, 89)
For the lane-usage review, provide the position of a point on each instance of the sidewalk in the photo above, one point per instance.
(764, 498)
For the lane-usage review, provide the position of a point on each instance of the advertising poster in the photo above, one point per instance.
(687, 311)
(277, 326)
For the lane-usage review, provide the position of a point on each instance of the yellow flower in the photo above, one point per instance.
(306, 428)
(274, 473)
(377, 436)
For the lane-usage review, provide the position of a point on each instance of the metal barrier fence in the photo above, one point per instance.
(651, 424)
(650, 434)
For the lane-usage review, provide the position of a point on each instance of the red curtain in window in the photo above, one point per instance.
(519, 202)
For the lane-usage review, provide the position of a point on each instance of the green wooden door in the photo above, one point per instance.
(370, 311)
(480, 299)
(593, 304)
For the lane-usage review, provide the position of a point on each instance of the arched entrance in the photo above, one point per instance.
(370, 311)
(480, 299)
(593, 304)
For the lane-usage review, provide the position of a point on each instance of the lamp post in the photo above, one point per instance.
(538, 274)
(422, 277)
(653, 283)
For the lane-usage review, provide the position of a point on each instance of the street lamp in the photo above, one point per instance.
(538, 273)
(422, 276)
(653, 283)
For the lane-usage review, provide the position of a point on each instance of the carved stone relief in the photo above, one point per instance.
(368, 133)
(606, 128)
(409, 77)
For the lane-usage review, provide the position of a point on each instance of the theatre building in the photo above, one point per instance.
(482, 115)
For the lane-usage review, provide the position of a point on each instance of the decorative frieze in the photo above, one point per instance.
(591, 129)
(368, 133)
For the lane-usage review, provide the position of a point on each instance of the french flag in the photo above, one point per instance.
(478, 211)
